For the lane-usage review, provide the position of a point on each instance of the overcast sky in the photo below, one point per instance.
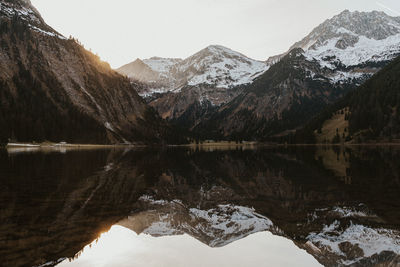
(123, 30)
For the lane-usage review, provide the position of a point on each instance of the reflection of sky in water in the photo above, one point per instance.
(123, 247)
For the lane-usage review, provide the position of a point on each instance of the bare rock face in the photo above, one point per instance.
(53, 89)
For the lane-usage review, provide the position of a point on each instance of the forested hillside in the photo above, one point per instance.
(52, 89)
(372, 111)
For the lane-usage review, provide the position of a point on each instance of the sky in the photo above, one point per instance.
(120, 31)
(122, 247)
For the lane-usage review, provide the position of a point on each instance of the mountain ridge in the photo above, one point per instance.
(346, 30)
(214, 65)
(339, 55)
(52, 89)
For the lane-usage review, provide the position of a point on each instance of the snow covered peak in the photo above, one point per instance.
(348, 27)
(215, 65)
(373, 25)
(221, 67)
(352, 45)
(218, 53)
(353, 39)
(218, 49)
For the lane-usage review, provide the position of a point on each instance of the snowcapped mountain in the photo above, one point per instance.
(220, 91)
(336, 57)
(215, 66)
(354, 38)
(348, 28)
(220, 67)
(328, 236)
(352, 44)
(216, 227)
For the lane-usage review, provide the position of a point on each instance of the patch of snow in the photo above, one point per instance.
(161, 90)
(52, 263)
(346, 212)
(231, 219)
(52, 34)
(371, 241)
(109, 126)
(23, 12)
(27, 14)
(344, 31)
(162, 228)
(365, 50)
(109, 167)
(150, 199)
(342, 212)
(341, 76)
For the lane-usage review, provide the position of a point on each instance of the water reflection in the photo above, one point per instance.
(340, 205)
(122, 247)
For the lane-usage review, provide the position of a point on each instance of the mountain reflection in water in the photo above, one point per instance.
(341, 205)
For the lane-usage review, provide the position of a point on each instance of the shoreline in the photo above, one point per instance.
(192, 145)
(59, 145)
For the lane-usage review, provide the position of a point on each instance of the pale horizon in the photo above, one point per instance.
(125, 30)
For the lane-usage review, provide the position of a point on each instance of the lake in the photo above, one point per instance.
(209, 206)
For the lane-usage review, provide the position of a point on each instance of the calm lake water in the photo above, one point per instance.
(297, 206)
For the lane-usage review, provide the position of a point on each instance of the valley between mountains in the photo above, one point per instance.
(52, 89)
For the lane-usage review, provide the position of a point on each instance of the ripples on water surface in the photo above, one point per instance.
(300, 206)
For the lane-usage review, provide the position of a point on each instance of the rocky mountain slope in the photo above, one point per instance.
(53, 89)
(337, 56)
